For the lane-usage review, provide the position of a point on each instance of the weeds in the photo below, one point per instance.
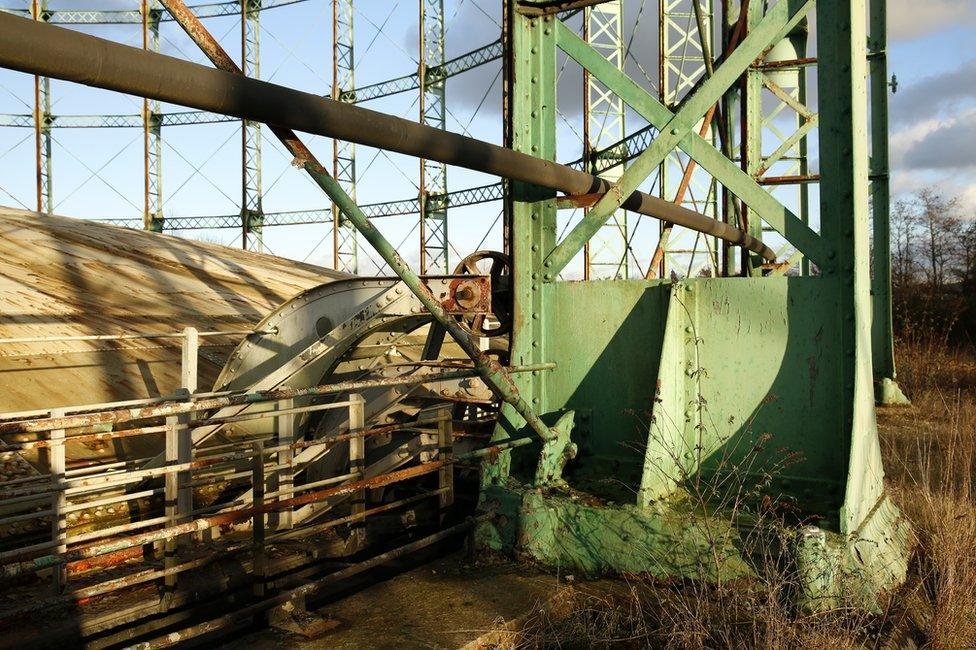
(930, 455)
(930, 459)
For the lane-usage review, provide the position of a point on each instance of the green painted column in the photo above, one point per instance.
(751, 124)
(842, 80)
(531, 109)
(883, 352)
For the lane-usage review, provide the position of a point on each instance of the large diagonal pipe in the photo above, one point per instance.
(47, 50)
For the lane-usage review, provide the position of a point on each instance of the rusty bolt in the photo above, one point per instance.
(464, 293)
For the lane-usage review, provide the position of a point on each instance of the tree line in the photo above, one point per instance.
(933, 267)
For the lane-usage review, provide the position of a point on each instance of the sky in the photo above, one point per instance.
(932, 52)
(98, 172)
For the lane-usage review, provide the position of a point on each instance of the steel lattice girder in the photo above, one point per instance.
(603, 116)
(345, 255)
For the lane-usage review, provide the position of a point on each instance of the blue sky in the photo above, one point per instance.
(932, 51)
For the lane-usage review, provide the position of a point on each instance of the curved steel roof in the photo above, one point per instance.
(69, 277)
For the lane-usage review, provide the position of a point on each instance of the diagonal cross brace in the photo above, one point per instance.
(676, 131)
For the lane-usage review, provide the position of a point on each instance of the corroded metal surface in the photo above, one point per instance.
(66, 277)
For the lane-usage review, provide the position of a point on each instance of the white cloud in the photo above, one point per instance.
(958, 186)
(947, 143)
(909, 19)
(937, 153)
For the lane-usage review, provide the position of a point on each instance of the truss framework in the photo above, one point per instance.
(42, 126)
(152, 218)
(683, 50)
(605, 254)
(252, 212)
(433, 112)
(344, 245)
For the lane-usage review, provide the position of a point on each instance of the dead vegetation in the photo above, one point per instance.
(930, 456)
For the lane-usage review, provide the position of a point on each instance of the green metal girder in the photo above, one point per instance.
(773, 27)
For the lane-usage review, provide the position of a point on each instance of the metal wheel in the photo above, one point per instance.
(499, 267)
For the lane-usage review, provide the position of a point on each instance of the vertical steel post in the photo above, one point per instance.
(531, 108)
(882, 334)
(177, 493)
(171, 501)
(252, 211)
(433, 112)
(59, 501)
(344, 242)
(257, 521)
(42, 127)
(285, 475)
(357, 453)
(445, 451)
(605, 254)
(189, 373)
(751, 129)
(152, 137)
(843, 103)
(189, 365)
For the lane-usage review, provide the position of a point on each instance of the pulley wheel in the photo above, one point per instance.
(499, 267)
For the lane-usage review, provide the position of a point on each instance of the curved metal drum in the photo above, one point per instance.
(348, 330)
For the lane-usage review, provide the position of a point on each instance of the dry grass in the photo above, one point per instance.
(930, 456)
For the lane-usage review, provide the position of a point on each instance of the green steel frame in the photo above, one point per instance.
(433, 112)
(882, 336)
(763, 381)
(655, 399)
(345, 255)
(606, 254)
(152, 134)
(252, 212)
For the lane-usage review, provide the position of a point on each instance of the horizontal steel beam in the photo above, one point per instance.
(50, 51)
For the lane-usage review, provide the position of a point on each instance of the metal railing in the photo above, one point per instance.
(73, 519)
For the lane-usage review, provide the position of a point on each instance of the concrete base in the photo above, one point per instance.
(857, 570)
(888, 392)
(671, 539)
(563, 529)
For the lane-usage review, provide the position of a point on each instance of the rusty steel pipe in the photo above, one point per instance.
(51, 51)
(234, 399)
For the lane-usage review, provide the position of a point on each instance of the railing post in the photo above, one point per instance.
(284, 477)
(190, 360)
(189, 377)
(445, 451)
(171, 500)
(178, 495)
(257, 522)
(59, 529)
(357, 453)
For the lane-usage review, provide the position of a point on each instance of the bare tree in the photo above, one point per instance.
(941, 230)
(904, 259)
